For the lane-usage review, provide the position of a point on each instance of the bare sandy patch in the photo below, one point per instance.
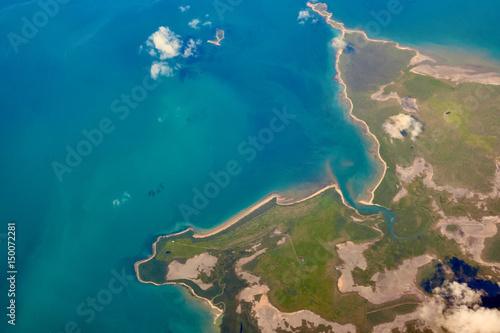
(270, 319)
(408, 103)
(252, 279)
(419, 58)
(389, 286)
(192, 268)
(421, 168)
(457, 74)
(470, 234)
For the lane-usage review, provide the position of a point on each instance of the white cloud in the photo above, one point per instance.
(455, 307)
(165, 46)
(339, 43)
(403, 125)
(208, 23)
(185, 8)
(161, 68)
(304, 15)
(164, 43)
(190, 49)
(194, 23)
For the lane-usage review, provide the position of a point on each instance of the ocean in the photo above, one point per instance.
(79, 81)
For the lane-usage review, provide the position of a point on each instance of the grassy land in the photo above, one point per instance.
(461, 122)
(460, 137)
(301, 272)
(491, 251)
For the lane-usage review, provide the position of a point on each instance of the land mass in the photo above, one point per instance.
(316, 264)
(219, 36)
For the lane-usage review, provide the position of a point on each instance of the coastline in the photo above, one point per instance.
(280, 200)
(366, 198)
(219, 36)
(456, 74)
(340, 26)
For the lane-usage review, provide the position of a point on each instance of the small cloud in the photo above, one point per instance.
(161, 68)
(164, 43)
(183, 9)
(208, 23)
(194, 23)
(304, 15)
(339, 43)
(403, 125)
(190, 49)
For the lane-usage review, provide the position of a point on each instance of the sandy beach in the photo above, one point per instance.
(280, 200)
(343, 30)
(457, 74)
(215, 310)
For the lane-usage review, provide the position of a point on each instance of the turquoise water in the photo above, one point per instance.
(71, 240)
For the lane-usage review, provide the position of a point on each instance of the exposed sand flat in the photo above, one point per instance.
(352, 254)
(419, 58)
(270, 319)
(389, 286)
(248, 294)
(252, 279)
(457, 74)
(192, 268)
(421, 168)
(471, 233)
(408, 103)
(401, 194)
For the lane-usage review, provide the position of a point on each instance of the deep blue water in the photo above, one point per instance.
(71, 240)
(464, 273)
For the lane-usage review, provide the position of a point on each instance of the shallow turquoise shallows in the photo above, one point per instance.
(79, 233)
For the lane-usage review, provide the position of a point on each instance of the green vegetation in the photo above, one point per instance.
(412, 328)
(301, 271)
(452, 228)
(461, 122)
(491, 250)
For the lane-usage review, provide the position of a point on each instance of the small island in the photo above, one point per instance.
(219, 36)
